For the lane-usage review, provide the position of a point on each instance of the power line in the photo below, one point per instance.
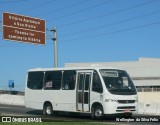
(37, 6)
(63, 8)
(79, 11)
(113, 32)
(108, 14)
(13, 1)
(142, 4)
(112, 24)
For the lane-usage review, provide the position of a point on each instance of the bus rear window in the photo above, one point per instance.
(35, 80)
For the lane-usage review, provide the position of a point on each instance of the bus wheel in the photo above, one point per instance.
(97, 113)
(48, 109)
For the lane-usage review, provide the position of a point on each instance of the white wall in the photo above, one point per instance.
(149, 97)
(12, 99)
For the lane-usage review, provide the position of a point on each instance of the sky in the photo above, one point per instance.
(87, 31)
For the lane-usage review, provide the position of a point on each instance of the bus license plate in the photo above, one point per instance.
(127, 110)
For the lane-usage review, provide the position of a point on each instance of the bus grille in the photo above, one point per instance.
(126, 101)
(125, 108)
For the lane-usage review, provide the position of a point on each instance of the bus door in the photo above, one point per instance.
(83, 91)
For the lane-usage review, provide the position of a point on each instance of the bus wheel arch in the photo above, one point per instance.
(47, 108)
(97, 111)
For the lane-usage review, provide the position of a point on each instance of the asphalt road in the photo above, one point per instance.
(10, 110)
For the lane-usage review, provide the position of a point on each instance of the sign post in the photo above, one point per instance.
(11, 84)
(55, 48)
(23, 29)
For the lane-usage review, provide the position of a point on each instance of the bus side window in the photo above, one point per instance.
(35, 80)
(69, 78)
(96, 83)
(53, 80)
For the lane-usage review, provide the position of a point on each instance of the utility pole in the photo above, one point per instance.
(55, 47)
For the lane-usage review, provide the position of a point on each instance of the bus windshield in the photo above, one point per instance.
(118, 82)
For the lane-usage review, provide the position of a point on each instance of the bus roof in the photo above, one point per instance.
(72, 68)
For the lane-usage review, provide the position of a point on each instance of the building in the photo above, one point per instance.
(145, 74)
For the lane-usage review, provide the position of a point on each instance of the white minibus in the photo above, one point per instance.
(98, 91)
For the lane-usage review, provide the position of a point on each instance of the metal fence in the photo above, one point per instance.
(148, 89)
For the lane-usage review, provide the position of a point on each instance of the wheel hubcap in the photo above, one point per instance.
(98, 113)
(48, 110)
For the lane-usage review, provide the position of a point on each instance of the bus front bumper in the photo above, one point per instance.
(113, 107)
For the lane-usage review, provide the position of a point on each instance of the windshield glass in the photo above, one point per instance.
(118, 82)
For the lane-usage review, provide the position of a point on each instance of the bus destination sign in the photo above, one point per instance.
(23, 29)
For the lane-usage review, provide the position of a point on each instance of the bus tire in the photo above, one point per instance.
(48, 109)
(97, 112)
